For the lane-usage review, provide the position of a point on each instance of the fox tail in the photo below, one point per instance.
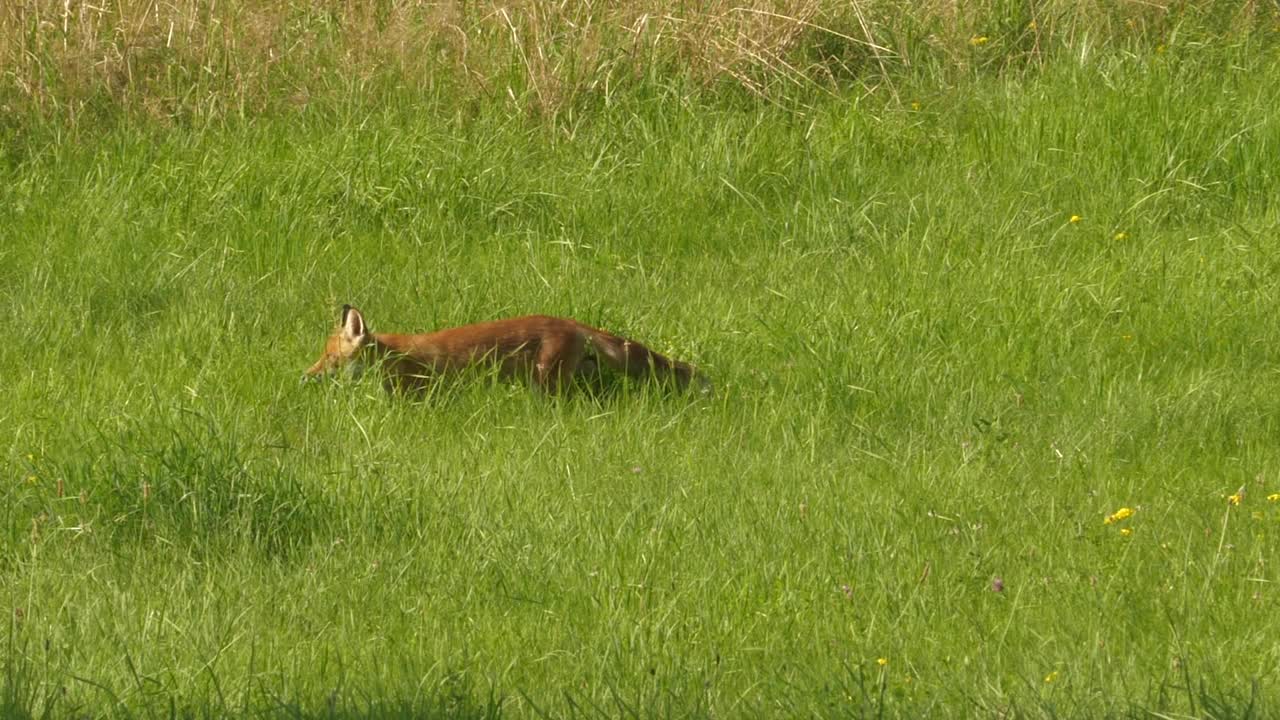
(638, 361)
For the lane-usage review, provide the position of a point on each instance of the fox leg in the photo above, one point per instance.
(588, 367)
(558, 359)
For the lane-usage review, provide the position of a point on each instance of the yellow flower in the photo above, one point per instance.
(31, 457)
(915, 105)
(979, 40)
(1274, 497)
(1160, 49)
(882, 661)
(1075, 218)
(1126, 532)
(1051, 676)
(1032, 25)
(1237, 498)
(1123, 513)
(1122, 236)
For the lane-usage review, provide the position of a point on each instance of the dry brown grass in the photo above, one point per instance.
(175, 59)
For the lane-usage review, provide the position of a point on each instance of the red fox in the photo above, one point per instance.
(548, 350)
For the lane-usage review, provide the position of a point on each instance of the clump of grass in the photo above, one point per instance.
(176, 478)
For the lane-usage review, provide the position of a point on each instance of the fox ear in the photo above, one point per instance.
(352, 322)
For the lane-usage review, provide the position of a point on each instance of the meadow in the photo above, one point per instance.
(992, 319)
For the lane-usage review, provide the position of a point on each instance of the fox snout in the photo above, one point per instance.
(316, 372)
(330, 367)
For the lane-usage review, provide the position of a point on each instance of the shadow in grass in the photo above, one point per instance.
(193, 481)
(593, 384)
(1186, 697)
(48, 705)
(29, 691)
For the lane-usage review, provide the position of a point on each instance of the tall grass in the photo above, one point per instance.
(171, 61)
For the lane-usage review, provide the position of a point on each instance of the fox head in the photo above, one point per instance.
(342, 349)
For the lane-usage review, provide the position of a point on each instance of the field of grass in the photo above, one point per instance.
(956, 321)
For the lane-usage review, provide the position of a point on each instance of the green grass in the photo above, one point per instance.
(928, 378)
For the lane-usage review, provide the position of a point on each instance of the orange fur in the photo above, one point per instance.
(548, 350)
